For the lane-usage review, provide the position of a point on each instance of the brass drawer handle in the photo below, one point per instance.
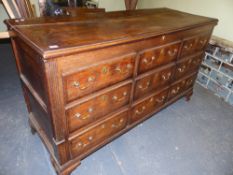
(104, 97)
(161, 100)
(116, 98)
(118, 69)
(188, 46)
(147, 61)
(80, 144)
(182, 69)
(119, 124)
(83, 87)
(90, 79)
(194, 62)
(189, 82)
(103, 126)
(90, 110)
(76, 84)
(114, 126)
(163, 37)
(90, 138)
(183, 83)
(175, 91)
(122, 71)
(144, 88)
(84, 117)
(202, 42)
(138, 112)
(129, 66)
(122, 120)
(197, 62)
(166, 77)
(172, 53)
(151, 99)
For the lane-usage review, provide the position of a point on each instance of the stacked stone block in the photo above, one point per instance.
(216, 72)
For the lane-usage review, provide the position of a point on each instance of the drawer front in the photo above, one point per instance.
(189, 65)
(181, 86)
(154, 81)
(159, 56)
(99, 133)
(196, 62)
(190, 81)
(99, 106)
(176, 89)
(191, 46)
(147, 106)
(97, 77)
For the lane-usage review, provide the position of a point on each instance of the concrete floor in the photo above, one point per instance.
(194, 138)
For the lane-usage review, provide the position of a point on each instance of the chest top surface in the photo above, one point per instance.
(53, 35)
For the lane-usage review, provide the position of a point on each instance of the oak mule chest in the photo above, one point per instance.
(88, 79)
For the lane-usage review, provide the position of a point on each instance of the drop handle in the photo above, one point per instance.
(80, 144)
(121, 121)
(129, 66)
(166, 77)
(189, 82)
(175, 91)
(182, 69)
(202, 42)
(163, 37)
(188, 46)
(140, 111)
(149, 61)
(90, 80)
(114, 126)
(172, 53)
(160, 100)
(144, 88)
(124, 70)
(90, 110)
(103, 126)
(84, 117)
(90, 138)
(197, 62)
(76, 84)
(117, 99)
(151, 99)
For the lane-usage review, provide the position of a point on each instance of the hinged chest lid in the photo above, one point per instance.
(56, 36)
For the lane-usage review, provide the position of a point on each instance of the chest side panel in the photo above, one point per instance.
(33, 79)
(32, 70)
